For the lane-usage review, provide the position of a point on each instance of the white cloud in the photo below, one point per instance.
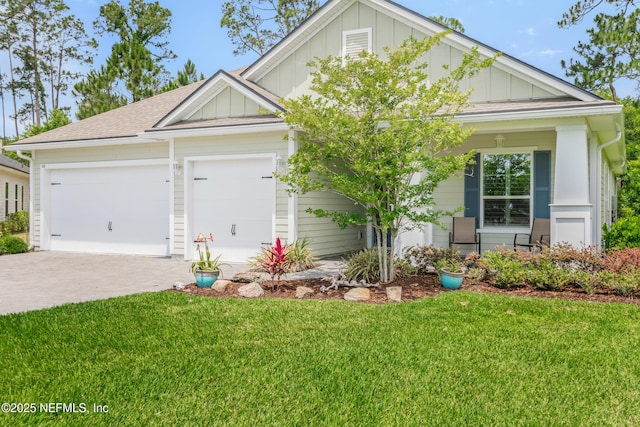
(529, 31)
(550, 52)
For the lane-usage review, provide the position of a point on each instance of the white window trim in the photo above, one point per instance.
(511, 150)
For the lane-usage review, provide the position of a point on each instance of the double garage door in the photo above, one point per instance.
(126, 209)
(122, 209)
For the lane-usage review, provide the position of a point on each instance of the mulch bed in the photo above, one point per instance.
(413, 287)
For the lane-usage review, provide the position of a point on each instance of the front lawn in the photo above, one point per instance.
(461, 358)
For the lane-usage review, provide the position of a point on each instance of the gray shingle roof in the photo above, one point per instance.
(122, 122)
(13, 164)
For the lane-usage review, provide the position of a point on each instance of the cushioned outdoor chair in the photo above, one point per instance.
(539, 237)
(464, 232)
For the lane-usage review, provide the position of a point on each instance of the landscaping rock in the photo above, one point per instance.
(304, 292)
(358, 294)
(394, 294)
(220, 285)
(179, 286)
(252, 290)
(245, 277)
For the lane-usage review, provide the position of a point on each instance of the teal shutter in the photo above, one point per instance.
(472, 190)
(541, 184)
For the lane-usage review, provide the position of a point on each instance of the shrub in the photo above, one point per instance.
(425, 258)
(567, 257)
(624, 233)
(626, 284)
(623, 260)
(507, 269)
(584, 280)
(13, 245)
(273, 260)
(363, 265)
(300, 256)
(544, 275)
(17, 222)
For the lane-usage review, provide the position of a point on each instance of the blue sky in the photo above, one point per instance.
(525, 29)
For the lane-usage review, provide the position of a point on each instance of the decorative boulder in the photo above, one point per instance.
(304, 292)
(246, 277)
(358, 294)
(252, 290)
(220, 285)
(394, 294)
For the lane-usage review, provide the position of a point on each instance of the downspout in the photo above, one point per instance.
(31, 193)
(601, 147)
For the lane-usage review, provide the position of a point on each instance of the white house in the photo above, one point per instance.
(148, 177)
(14, 187)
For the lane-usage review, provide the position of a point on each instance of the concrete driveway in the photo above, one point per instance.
(45, 279)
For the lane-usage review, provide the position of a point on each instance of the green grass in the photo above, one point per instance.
(457, 359)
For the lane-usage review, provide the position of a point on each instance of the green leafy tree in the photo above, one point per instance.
(185, 77)
(57, 118)
(376, 133)
(629, 194)
(48, 44)
(137, 57)
(97, 93)
(612, 53)
(257, 25)
(582, 8)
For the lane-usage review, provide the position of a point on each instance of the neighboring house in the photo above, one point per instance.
(148, 177)
(14, 187)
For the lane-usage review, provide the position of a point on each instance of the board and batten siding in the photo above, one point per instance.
(290, 78)
(112, 153)
(325, 237)
(227, 103)
(450, 194)
(260, 143)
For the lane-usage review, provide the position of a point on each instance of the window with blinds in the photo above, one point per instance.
(506, 189)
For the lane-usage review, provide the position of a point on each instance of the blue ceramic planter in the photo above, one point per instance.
(206, 278)
(451, 280)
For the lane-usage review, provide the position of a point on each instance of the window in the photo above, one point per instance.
(16, 199)
(6, 199)
(506, 190)
(22, 198)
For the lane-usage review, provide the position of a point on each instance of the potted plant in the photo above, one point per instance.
(205, 270)
(451, 272)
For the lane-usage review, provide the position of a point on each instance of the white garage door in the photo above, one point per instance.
(122, 209)
(234, 199)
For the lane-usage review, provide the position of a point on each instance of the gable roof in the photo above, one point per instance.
(168, 114)
(333, 8)
(13, 164)
(211, 87)
(124, 122)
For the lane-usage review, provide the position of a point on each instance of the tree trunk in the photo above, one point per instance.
(13, 93)
(36, 78)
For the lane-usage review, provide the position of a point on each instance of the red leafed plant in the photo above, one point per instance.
(274, 260)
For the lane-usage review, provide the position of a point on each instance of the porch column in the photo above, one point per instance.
(571, 210)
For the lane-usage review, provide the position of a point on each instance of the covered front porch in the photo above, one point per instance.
(563, 169)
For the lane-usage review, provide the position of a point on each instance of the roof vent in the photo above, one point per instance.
(355, 41)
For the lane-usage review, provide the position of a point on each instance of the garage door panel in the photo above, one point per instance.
(234, 199)
(121, 209)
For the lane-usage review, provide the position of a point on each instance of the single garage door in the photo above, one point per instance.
(234, 199)
(123, 209)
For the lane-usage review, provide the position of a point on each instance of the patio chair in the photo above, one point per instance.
(539, 236)
(464, 232)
